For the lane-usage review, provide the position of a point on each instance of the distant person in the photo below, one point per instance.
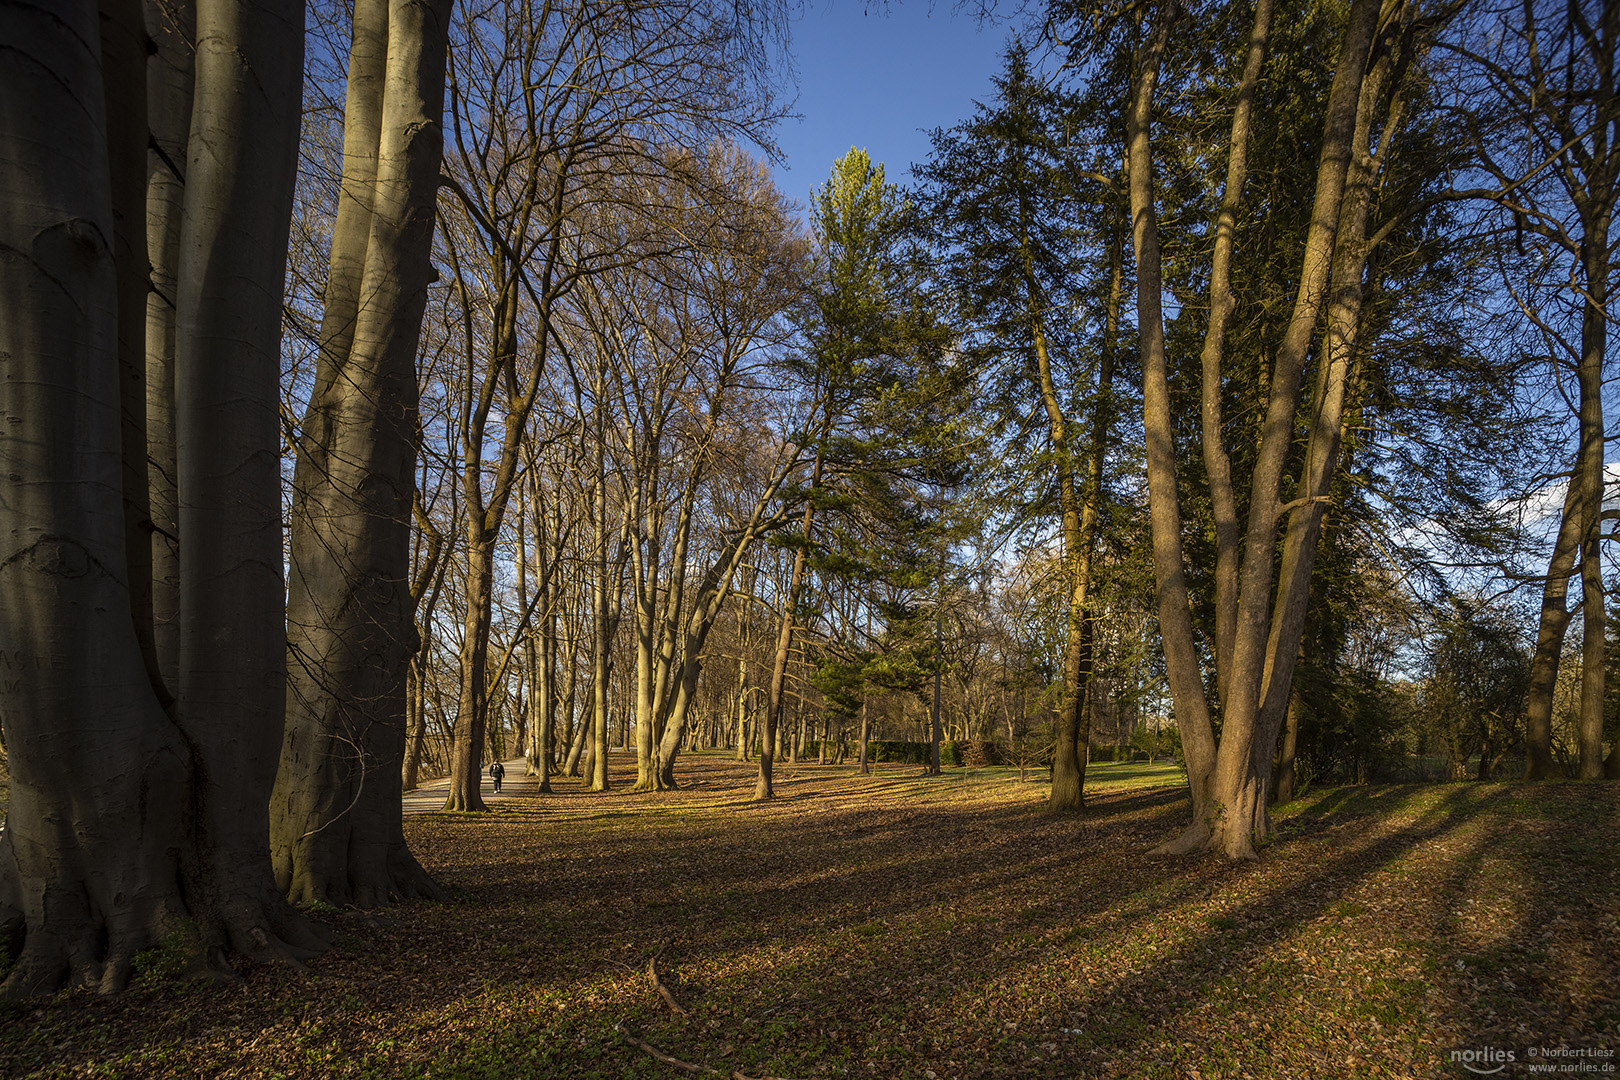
(496, 772)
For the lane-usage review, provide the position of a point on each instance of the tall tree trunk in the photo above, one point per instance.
(1290, 747)
(1230, 781)
(1555, 615)
(866, 737)
(239, 183)
(336, 830)
(472, 709)
(89, 868)
(1217, 464)
(542, 750)
(170, 80)
(603, 625)
(1081, 502)
(1174, 601)
(1594, 327)
(784, 640)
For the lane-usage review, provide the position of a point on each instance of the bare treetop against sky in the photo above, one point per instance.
(880, 80)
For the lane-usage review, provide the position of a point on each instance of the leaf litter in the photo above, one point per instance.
(911, 927)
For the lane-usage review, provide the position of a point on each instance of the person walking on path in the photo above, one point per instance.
(496, 771)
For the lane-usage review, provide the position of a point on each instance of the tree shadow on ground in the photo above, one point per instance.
(874, 931)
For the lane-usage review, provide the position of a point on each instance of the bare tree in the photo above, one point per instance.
(559, 108)
(1553, 76)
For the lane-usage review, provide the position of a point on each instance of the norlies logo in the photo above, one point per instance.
(1484, 1062)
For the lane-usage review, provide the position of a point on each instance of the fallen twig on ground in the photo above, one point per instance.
(658, 984)
(670, 1059)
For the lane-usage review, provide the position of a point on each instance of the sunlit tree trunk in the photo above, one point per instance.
(1229, 781)
(784, 642)
(335, 824)
(1555, 615)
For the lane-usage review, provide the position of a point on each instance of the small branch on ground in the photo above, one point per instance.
(669, 1059)
(658, 984)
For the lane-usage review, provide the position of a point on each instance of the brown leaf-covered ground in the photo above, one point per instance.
(899, 926)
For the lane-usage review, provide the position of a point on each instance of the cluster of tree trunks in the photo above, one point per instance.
(141, 606)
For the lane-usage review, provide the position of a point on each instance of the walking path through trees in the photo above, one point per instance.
(429, 798)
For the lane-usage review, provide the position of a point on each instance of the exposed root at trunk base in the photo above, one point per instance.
(1201, 836)
(1195, 837)
(100, 954)
(669, 1059)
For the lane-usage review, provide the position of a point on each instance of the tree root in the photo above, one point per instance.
(1195, 837)
(669, 1059)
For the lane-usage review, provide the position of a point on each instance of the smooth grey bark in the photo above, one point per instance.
(169, 85)
(336, 829)
(129, 823)
(233, 249)
(71, 851)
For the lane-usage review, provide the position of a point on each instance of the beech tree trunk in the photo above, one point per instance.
(128, 824)
(351, 630)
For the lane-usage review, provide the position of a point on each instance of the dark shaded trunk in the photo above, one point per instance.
(97, 863)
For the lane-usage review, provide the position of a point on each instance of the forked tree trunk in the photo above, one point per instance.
(336, 828)
(1229, 782)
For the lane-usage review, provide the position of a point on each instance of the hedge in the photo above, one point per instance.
(974, 753)
(1117, 753)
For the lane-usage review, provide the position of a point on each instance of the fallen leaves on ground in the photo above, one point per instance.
(901, 926)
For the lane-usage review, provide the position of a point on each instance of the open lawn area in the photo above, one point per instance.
(902, 926)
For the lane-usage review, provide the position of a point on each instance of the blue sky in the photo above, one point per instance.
(880, 79)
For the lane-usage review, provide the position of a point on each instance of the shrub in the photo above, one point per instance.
(980, 753)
